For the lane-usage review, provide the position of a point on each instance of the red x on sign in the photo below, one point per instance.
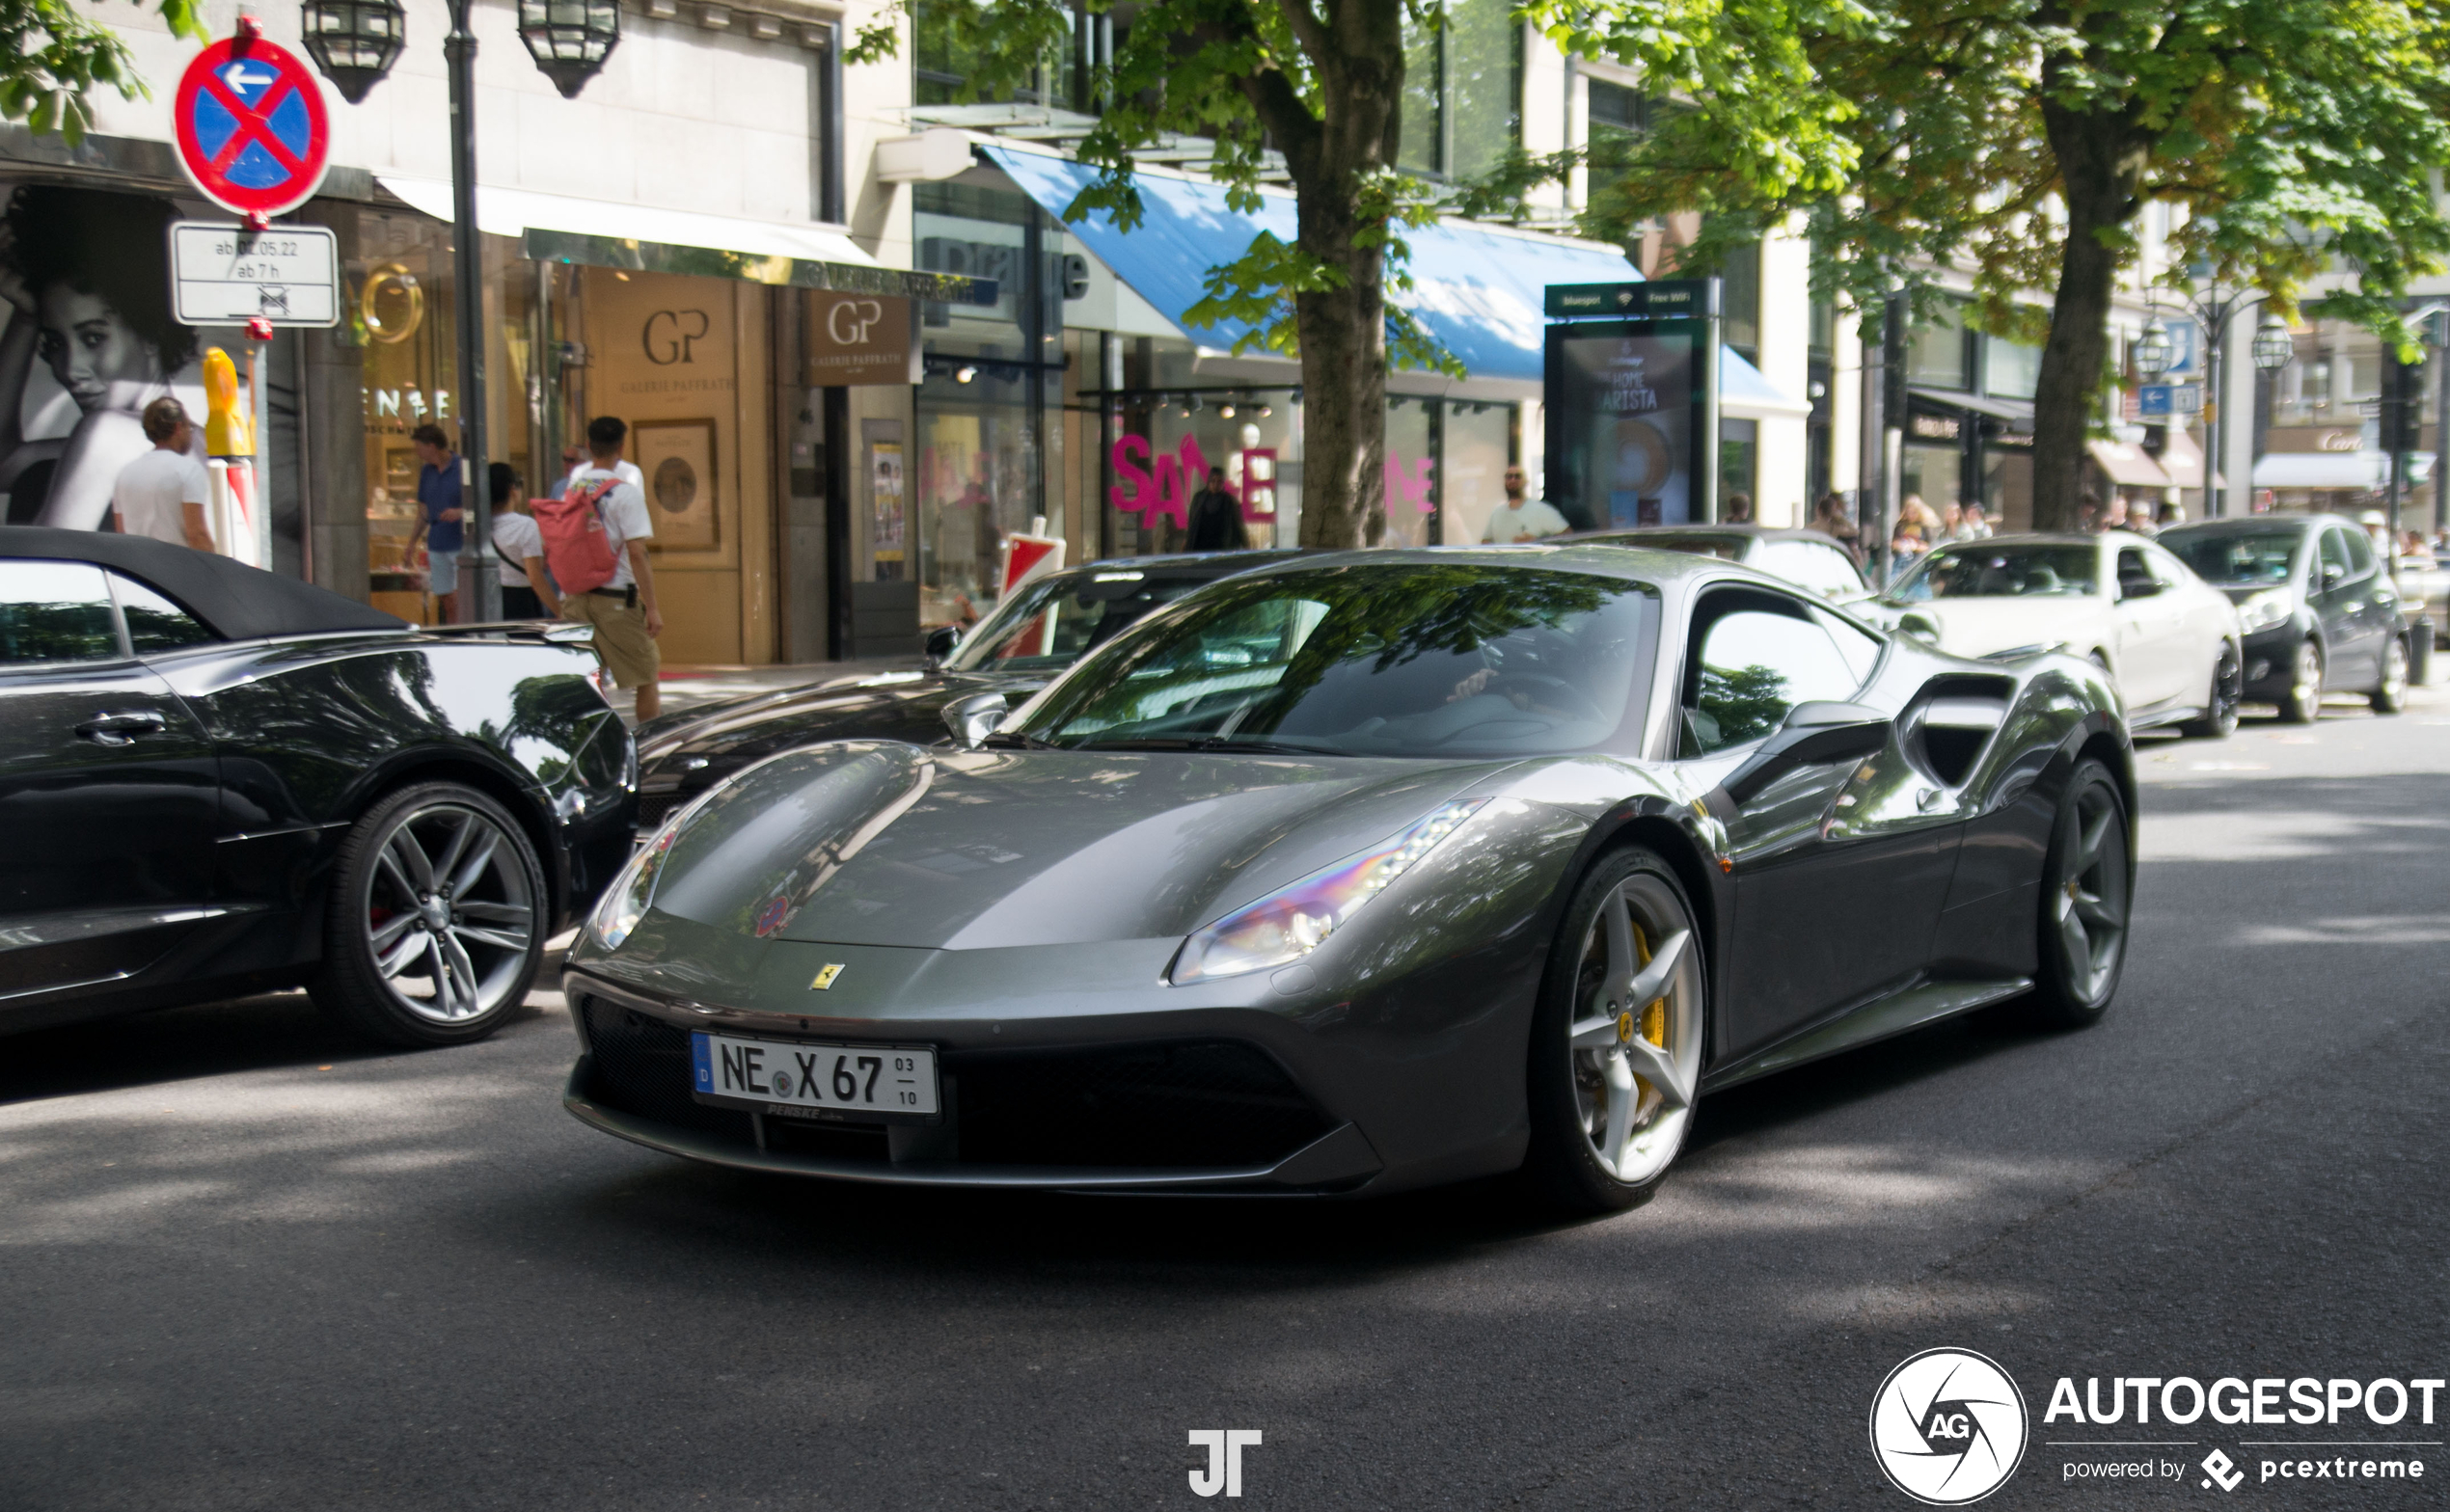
(250, 126)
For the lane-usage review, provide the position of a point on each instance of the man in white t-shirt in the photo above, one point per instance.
(624, 610)
(1519, 521)
(163, 493)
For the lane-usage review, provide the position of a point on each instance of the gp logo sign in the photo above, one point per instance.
(850, 320)
(1949, 1427)
(1224, 1471)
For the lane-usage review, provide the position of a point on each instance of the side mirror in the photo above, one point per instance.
(973, 719)
(1813, 735)
(2332, 573)
(940, 644)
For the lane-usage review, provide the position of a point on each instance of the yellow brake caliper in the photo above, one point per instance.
(1654, 1016)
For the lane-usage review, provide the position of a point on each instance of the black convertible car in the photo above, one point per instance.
(1363, 872)
(1035, 633)
(214, 780)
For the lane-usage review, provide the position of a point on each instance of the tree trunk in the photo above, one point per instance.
(2098, 167)
(1357, 48)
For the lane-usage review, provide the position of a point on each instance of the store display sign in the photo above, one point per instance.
(855, 340)
(225, 274)
(1629, 422)
(885, 543)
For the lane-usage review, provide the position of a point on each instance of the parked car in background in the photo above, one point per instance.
(2316, 608)
(2169, 639)
(214, 780)
(1035, 633)
(1807, 558)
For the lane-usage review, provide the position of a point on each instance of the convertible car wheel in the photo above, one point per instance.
(2220, 718)
(1616, 1044)
(2304, 703)
(2085, 894)
(2390, 694)
(436, 922)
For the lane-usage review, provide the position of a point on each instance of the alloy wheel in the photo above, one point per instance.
(2304, 701)
(2390, 694)
(1636, 1040)
(449, 913)
(2091, 895)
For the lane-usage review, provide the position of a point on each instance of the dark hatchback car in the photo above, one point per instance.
(1034, 633)
(1806, 559)
(2318, 612)
(214, 780)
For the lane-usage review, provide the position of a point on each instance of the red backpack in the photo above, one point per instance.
(576, 548)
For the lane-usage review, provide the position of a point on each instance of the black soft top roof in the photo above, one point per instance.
(235, 601)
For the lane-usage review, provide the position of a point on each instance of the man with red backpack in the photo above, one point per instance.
(595, 537)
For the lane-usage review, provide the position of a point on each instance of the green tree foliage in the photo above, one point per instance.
(53, 58)
(2019, 140)
(1324, 82)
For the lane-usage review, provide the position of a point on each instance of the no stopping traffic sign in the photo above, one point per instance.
(250, 126)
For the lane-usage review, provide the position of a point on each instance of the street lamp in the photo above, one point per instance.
(2152, 352)
(355, 42)
(2273, 347)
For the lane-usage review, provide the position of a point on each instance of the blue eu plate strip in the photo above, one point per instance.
(701, 1059)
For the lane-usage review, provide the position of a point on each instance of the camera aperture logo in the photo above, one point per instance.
(1949, 1427)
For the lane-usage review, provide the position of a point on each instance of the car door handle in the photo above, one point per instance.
(120, 729)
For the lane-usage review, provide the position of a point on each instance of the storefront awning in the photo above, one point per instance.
(1746, 393)
(2128, 466)
(1479, 290)
(605, 233)
(2335, 470)
(2182, 458)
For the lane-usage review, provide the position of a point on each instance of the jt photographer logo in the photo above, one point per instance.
(1949, 1427)
(1224, 1470)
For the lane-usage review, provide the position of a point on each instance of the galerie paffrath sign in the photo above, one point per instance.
(223, 274)
(859, 340)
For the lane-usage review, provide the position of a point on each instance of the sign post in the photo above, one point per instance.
(1632, 415)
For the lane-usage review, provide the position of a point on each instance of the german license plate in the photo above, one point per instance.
(875, 1080)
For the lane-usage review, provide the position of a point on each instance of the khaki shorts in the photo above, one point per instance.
(621, 642)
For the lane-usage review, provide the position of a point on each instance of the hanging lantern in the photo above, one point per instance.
(2273, 347)
(2153, 352)
(354, 41)
(570, 38)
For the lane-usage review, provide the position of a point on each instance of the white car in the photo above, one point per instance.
(2168, 639)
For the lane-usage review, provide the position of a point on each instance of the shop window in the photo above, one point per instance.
(1462, 90)
(943, 61)
(1935, 348)
(2011, 370)
(1617, 117)
(1411, 485)
(1472, 477)
(1739, 449)
(1740, 300)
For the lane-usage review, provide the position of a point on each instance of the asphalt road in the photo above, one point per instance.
(244, 1263)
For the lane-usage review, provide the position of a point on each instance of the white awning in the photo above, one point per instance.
(2335, 470)
(515, 212)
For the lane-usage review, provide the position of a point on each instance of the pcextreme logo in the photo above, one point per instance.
(1949, 1427)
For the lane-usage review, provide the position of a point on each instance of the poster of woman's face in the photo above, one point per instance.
(90, 342)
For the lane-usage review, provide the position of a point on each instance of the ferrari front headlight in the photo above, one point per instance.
(2264, 609)
(633, 890)
(1292, 921)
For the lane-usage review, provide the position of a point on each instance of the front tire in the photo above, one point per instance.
(435, 925)
(2087, 893)
(1617, 1040)
(2220, 718)
(2303, 703)
(2390, 694)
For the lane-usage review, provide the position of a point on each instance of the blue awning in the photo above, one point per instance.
(1478, 291)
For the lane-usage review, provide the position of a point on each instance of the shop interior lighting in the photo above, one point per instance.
(1265, 411)
(1226, 409)
(965, 373)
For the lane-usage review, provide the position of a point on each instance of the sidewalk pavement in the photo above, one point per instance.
(695, 686)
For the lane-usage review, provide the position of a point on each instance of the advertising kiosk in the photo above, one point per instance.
(1632, 413)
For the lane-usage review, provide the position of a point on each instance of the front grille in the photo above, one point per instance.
(1204, 1103)
(641, 1066)
(653, 808)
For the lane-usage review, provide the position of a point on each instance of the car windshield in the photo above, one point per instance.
(1049, 624)
(2236, 557)
(1985, 571)
(1413, 659)
(1726, 547)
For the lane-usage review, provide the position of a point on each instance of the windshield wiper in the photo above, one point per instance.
(1269, 748)
(1213, 742)
(1015, 741)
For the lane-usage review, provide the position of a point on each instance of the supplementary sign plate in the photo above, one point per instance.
(224, 275)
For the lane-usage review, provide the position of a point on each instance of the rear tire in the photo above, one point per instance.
(2087, 893)
(2220, 718)
(437, 889)
(2303, 703)
(1617, 1039)
(2390, 694)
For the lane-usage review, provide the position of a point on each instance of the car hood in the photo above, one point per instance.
(895, 706)
(881, 843)
(2239, 592)
(1979, 626)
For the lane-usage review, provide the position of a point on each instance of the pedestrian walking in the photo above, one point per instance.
(595, 537)
(1830, 519)
(574, 458)
(526, 591)
(1739, 508)
(1973, 526)
(438, 517)
(1518, 521)
(1216, 518)
(163, 493)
